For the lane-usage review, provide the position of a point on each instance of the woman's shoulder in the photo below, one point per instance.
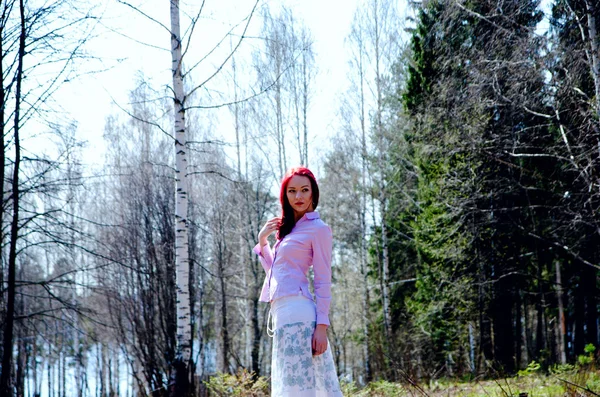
(321, 228)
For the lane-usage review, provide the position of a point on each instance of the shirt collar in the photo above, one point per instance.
(308, 216)
(312, 215)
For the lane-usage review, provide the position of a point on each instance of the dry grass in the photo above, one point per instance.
(565, 384)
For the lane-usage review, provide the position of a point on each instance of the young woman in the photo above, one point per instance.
(301, 363)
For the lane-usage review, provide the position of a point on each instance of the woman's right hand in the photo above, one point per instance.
(271, 226)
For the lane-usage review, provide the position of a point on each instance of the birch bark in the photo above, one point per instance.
(182, 264)
(358, 64)
(363, 219)
(378, 20)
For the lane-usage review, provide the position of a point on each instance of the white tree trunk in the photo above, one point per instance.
(305, 83)
(363, 221)
(182, 264)
(376, 37)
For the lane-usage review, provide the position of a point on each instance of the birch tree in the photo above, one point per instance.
(354, 115)
(180, 378)
(374, 43)
(181, 373)
(286, 64)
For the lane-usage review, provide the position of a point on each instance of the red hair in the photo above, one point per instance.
(288, 221)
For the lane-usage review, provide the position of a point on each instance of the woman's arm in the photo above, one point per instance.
(322, 246)
(262, 249)
(265, 256)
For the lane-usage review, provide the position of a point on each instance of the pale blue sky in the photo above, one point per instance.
(123, 30)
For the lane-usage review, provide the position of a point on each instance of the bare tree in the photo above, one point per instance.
(36, 60)
(134, 246)
(286, 64)
(181, 374)
(7, 348)
(374, 44)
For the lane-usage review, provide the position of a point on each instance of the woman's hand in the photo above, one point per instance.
(319, 340)
(271, 226)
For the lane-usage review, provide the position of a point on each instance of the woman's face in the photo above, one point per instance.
(299, 194)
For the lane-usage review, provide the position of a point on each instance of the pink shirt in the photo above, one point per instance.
(308, 244)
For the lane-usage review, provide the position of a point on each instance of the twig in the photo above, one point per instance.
(587, 389)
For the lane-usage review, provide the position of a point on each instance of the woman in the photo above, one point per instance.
(301, 363)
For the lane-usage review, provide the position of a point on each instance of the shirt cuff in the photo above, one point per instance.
(258, 250)
(323, 319)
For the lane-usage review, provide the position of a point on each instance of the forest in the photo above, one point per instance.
(460, 175)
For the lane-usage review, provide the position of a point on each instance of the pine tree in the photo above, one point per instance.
(576, 131)
(473, 90)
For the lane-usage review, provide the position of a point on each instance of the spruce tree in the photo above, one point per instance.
(472, 93)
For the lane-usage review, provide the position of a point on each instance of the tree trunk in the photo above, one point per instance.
(540, 333)
(518, 329)
(503, 324)
(21, 366)
(579, 319)
(593, 33)
(562, 328)
(180, 376)
(34, 367)
(382, 193)
(222, 319)
(591, 312)
(486, 347)
(279, 121)
(5, 377)
(385, 263)
(63, 375)
(50, 372)
(363, 217)
(2, 158)
(305, 103)
(103, 371)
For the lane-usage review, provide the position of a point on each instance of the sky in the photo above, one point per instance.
(129, 45)
(124, 40)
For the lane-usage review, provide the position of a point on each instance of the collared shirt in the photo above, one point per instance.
(308, 244)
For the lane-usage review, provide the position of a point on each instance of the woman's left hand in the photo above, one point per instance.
(319, 340)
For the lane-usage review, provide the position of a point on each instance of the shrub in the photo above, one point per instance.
(382, 388)
(587, 360)
(562, 369)
(240, 384)
(531, 369)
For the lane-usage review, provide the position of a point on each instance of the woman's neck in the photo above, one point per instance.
(299, 215)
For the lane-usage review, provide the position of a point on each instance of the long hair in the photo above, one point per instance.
(287, 212)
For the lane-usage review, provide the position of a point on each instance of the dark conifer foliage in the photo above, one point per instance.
(577, 135)
(488, 106)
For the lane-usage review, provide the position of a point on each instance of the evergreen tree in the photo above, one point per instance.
(576, 140)
(473, 90)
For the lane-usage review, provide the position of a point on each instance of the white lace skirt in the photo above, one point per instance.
(295, 372)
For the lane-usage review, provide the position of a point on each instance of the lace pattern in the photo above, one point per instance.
(295, 371)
